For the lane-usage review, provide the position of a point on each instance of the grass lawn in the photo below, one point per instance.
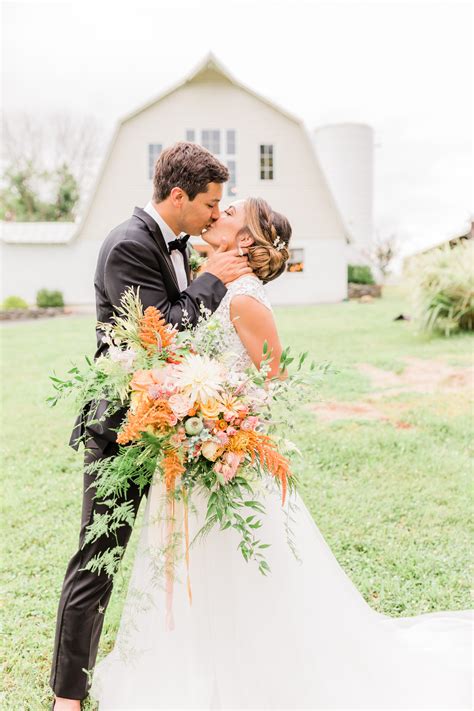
(392, 502)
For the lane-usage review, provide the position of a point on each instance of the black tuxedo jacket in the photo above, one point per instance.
(135, 254)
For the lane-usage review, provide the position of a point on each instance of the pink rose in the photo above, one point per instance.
(180, 405)
(230, 466)
(249, 423)
(222, 437)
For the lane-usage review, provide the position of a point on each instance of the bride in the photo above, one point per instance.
(302, 637)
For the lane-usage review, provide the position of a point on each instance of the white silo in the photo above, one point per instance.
(346, 155)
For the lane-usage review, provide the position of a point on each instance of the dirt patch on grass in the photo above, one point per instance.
(330, 411)
(419, 376)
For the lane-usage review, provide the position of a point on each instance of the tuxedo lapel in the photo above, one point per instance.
(160, 241)
(186, 266)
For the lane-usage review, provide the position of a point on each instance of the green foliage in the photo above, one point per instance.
(67, 194)
(20, 200)
(442, 287)
(195, 260)
(11, 303)
(47, 299)
(359, 274)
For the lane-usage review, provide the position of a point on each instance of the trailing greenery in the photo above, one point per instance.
(393, 504)
(48, 299)
(359, 274)
(11, 303)
(441, 282)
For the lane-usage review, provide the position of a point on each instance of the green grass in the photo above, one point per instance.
(393, 504)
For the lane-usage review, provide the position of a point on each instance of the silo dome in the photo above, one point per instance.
(346, 155)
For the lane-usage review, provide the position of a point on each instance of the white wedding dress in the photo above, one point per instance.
(301, 637)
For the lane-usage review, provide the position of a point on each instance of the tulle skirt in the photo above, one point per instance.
(301, 637)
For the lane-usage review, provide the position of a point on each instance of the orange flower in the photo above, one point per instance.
(153, 330)
(171, 467)
(156, 414)
(222, 424)
(261, 446)
(242, 443)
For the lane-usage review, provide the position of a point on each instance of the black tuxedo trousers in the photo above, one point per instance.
(85, 594)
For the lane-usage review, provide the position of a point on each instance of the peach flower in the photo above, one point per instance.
(211, 450)
(211, 408)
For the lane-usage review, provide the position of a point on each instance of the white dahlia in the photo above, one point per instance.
(199, 378)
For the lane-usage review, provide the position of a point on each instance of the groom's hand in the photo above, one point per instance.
(227, 264)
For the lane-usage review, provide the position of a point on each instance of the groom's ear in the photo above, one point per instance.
(177, 197)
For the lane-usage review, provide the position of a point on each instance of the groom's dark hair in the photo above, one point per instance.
(189, 167)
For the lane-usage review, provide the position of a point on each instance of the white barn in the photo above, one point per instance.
(269, 153)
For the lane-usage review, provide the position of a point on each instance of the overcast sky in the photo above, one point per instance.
(404, 67)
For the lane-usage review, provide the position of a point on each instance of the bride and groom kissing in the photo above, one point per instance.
(249, 244)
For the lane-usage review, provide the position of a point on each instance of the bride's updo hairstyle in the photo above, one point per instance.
(271, 233)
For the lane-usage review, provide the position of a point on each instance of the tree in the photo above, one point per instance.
(48, 166)
(382, 252)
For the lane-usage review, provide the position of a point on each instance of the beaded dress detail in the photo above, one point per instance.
(247, 285)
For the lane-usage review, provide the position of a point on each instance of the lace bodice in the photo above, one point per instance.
(247, 285)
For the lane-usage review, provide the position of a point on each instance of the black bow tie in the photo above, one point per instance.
(178, 244)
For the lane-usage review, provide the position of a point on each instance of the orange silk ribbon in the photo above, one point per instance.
(186, 534)
(169, 565)
(169, 569)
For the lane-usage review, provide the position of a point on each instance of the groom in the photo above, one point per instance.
(147, 252)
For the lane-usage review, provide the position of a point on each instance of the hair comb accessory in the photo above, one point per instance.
(278, 243)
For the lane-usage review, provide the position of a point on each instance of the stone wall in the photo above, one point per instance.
(355, 291)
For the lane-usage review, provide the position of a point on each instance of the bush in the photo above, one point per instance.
(46, 299)
(12, 303)
(442, 286)
(359, 274)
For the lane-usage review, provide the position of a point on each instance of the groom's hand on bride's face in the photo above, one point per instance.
(227, 264)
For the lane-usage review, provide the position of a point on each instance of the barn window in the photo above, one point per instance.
(222, 143)
(231, 183)
(211, 140)
(296, 261)
(266, 162)
(230, 136)
(154, 150)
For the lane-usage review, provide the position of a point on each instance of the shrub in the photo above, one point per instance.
(359, 274)
(442, 287)
(12, 303)
(46, 299)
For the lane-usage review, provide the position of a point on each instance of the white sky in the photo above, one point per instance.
(404, 67)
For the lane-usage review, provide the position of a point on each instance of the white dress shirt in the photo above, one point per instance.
(168, 234)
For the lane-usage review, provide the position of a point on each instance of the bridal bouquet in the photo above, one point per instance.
(192, 421)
